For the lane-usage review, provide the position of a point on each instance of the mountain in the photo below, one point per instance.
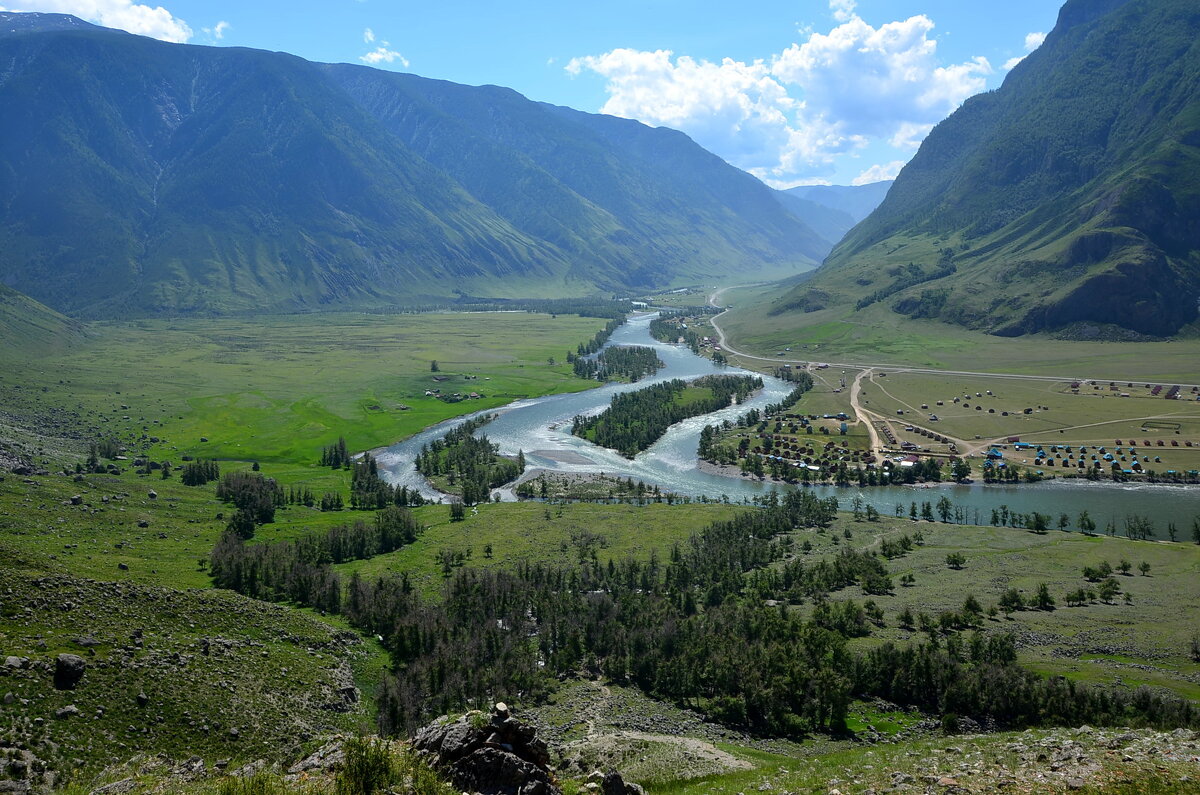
(1070, 195)
(833, 210)
(139, 177)
(27, 326)
(857, 201)
(830, 223)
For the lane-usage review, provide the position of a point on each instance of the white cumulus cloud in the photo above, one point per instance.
(736, 109)
(1032, 42)
(879, 172)
(843, 10)
(873, 80)
(368, 36)
(787, 117)
(383, 55)
(155, 22)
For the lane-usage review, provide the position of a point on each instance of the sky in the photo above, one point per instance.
(801, 92)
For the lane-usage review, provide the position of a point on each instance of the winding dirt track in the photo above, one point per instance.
(866, 416)
(700, 749)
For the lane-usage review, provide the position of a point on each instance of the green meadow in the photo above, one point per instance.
(876, 335)
(1142, 640)
(277, 389)
(500, 535)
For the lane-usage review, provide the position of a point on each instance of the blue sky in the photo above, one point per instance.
(795, 92)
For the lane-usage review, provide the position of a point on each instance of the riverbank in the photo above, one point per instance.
(541, 427)
(548, 484)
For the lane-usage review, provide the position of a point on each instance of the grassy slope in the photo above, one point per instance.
(541, 533)
(1143, 642)
(195, 698)
(878, 335)
(32, 326)
(274, 389)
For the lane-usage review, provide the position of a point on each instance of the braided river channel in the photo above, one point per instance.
(541, 427)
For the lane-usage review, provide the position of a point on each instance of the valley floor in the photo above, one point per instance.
(113, 568)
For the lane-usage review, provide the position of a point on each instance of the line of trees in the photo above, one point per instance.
(301, 571)
(908, 276)
(471, 463)
(336, 455)
(199, 473)
(692, 629)
(635, 420)
(628, 361)
(369, 491)
(597, 342)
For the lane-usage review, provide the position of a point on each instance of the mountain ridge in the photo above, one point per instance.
(1067, 195)
(140, 178)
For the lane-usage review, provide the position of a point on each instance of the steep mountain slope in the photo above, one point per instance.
(620, 198)
(138, 177)
(1069, 195)
(27, 326)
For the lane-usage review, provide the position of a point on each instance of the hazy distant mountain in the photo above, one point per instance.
(1070, 194)
(833, 210)
(139, 177)
(857, 201)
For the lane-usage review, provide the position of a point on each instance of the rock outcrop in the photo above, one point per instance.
(491, 754)
(68, 670)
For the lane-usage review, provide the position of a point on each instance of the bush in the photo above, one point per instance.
(949, 723)
(258, 784)
(369, 767)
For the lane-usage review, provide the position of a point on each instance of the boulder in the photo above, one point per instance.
(615, 784)
(492, 755)
(328, 757)
(68, 670)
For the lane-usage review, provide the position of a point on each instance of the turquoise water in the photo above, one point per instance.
(541, 427)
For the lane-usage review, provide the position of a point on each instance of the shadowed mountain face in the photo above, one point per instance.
(138, 177)
(1069, 195)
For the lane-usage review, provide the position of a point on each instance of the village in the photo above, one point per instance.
(453, 397)
(902, 425)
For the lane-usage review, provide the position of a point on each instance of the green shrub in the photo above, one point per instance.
(258, 784)
(369, 767)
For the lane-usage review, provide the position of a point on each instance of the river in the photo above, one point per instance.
(541, 427)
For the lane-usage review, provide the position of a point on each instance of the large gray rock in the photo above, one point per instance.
(614, 784)
(68, 670)
(494, 756)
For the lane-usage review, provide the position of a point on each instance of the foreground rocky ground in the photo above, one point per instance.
(1068, 760)
(631, 749)
(93, 674)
